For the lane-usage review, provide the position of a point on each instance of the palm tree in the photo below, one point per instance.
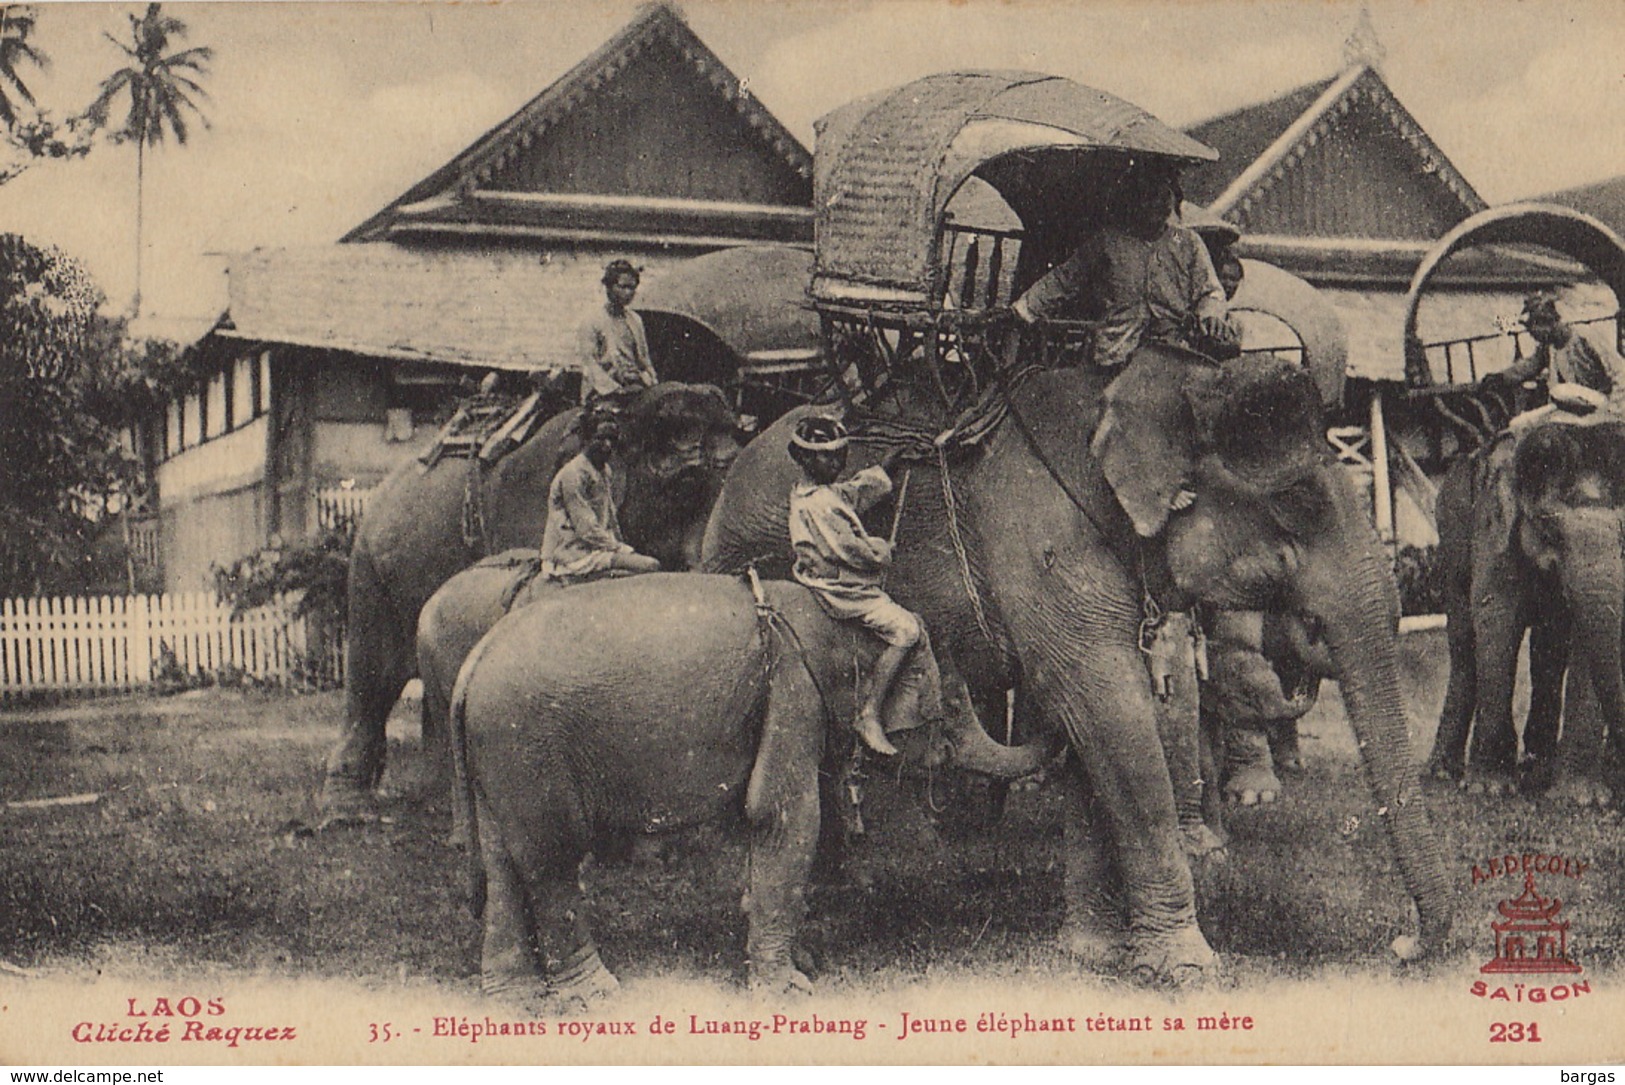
(16, 27)
(162, 88)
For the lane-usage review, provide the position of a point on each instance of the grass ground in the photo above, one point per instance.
(198, 859)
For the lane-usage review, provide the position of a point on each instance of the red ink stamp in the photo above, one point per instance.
(1531, 935)
(1529, 938)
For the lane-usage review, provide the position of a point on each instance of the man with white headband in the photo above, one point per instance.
(844, 565)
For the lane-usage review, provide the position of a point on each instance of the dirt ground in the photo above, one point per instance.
(198, 858)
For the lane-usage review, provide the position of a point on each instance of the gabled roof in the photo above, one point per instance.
(1603, 200)
(658, 21)
(1260, 144)
(1242, 136)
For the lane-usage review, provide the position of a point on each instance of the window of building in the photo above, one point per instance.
(172, 428)
(214, 406)
(191, 421)
(262, 383)
(243, 389)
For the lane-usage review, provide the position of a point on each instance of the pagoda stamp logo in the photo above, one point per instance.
(1532, 952)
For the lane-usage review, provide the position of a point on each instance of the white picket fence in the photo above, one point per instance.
(339, 509)
(108, 643)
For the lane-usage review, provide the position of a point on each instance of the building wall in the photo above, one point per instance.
(359, 452)
(209, 530)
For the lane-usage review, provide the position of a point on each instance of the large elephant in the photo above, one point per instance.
(656, 703)
(1037, 557)
(1530, 532)
(680, 439)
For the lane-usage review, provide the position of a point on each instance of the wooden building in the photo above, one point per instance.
(1603, 200)
(1336, 182)
(333, 365)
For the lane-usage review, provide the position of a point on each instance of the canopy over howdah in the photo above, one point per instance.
(753, 299)
(886, 165)
(1308, 313)
(1550, 226)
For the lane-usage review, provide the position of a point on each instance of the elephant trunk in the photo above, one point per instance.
(1357, 605)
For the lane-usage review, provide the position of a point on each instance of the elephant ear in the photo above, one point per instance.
(1495, 505)
(1146, 442)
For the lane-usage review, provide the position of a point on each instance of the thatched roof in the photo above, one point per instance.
(502, 309)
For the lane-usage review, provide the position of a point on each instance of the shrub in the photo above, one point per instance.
(315, 573)
(1421, 588)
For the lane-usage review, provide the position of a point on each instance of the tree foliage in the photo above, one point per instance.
(17, 51)
(159, 87)
(64, 388)
(37, 136)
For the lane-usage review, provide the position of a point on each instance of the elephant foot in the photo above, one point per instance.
(1493, 784)
(1576, 790)
(1179, 958)
(807, 959)
(1094, 943)
(345, 800)
(1443, 769)
(1284, 749)
(1250, 777)
(582, 982)
(1536, 775)
(1252, 786)
(524, 989)
(779, 978)
(1201, 843)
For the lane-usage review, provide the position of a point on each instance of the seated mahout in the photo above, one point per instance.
(842, 564)
(1141, 276)
(582, 538)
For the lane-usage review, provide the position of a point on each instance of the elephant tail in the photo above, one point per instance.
(464, 788)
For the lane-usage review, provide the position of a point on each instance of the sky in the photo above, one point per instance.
(322, 113)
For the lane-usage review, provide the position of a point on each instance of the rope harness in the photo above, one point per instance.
(473, 522)
(951, 507)
(774, 627)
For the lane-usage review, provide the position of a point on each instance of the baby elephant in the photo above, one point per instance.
(654, 704)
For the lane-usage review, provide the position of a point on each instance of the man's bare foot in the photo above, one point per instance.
(867, 725)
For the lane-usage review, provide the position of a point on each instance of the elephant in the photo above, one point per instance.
(460, 612)
(680, 439)
(1037, 561)
(655, 703)
(1265, 670)
(1529, 531)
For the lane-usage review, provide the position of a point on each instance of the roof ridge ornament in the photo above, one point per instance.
(1362, 48)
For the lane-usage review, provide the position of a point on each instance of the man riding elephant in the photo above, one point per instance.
(425, 523)
(1027, 555)
(582, 538)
